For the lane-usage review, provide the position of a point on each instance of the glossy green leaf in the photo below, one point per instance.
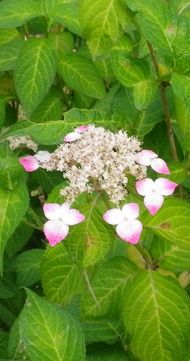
(51, 108)
(28, 267)
(48, 332)
(65, 12)
(101, 21)
(9, 54)
(60, 275)
(172, 222)
(143, 93)
(7, 35)
(156, 22)
(15, 13)
(90, 241)
(129, 71)
(34, 73)
(156, 316)
(108, 288)
(81, 75)
(14, 205)
(170, 256)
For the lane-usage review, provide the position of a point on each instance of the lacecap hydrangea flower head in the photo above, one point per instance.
(95, 159)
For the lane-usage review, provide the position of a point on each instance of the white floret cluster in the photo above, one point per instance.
(98, 160)
(22, 141)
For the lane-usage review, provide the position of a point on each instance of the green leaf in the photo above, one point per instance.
(2, 110)
(107, 353)
(19, 238)
(181, 86)
(172, 222)
(28, 267)
(108, 288)
(101, 21)
(40, 131)
(156, 315)
(170, 256)
(129, 71)
(60, 275)
(16, 348)
(143, 93)
(101, 331)
(6, 316)
(81, 75)
(50, 108)
(14, 205)
(13, 14)
(4, 337)
(9, 54)
(61, 43)
(65, 12)
(90, 241)
(11, 172)
(156, 22)
(50, 333)
(34, 73)
(7, 35)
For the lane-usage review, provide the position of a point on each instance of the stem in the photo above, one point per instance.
(165, 105)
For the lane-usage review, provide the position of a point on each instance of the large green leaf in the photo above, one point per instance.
(130, 71)
(40, 131)
(7, 35)
(90, 241)
(157, 317)
(101, 331)
(50, 333)
(65, 12)
(172, 222)
(9, 54)
(81, 75)
(51, 108)
(182, 114)
(28, 267)
(61, 279)
(171, 256)
(34, 73)
(181, 86)
(14, 205)
(4, 337)
(155, 21)
(101, 20)
(15, 13)
(108, 285)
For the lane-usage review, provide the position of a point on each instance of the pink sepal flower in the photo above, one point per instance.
(32, 162)
(60, 217)
(149, 158)
(71, 137)
(128, 227)
(154, 192)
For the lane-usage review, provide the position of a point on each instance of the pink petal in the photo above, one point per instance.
(160, 166)
(165, 187)
(130, 231)
(73, 216)
(55, 231)
(144, 186)
(71, 137)
(153, 202)
(144, 157)
(130, 211)
(52, 211)
(82, 129)
(113, 216)
(43, 156)
(29, 162)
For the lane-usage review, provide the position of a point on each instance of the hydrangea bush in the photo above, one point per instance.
(94, 180)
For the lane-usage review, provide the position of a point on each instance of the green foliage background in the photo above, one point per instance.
(121, 64)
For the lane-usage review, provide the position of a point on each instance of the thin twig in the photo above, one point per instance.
(164, 104)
